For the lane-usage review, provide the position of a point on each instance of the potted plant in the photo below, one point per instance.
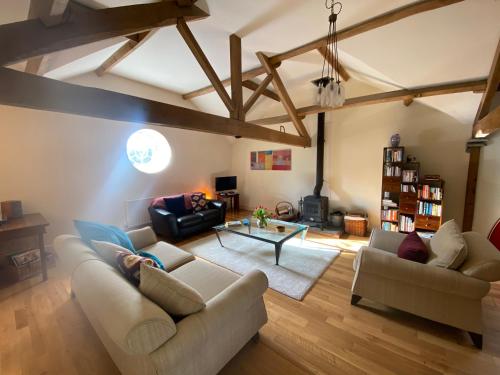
(262, 215)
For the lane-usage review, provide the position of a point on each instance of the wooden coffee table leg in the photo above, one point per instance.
(43, 256)
(277, 251)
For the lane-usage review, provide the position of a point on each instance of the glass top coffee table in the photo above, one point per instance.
(270, 234)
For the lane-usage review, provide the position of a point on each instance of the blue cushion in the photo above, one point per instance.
(90, 231)
(176, 205)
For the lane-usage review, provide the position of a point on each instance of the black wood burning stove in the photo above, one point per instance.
(315, 207)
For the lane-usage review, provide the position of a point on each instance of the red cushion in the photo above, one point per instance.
(159, 202)
(494, 235)
(413, 248)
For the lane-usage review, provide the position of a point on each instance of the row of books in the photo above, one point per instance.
(392, 170)
(426, 208)
(406, 224)
(429, 192)
(408, 189)
(410, 176)
(393, 155)
(387, 202)
(389, 215)
(392, 227)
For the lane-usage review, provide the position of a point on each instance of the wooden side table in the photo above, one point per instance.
(31, 225)
(234, 200)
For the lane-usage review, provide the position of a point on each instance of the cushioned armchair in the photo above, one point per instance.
(174, 228)
(444, 295)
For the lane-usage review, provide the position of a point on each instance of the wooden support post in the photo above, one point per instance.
(470, 190)
(251, 85)
(236, 81)
(204, 63)
(260, 89)
(283, 94)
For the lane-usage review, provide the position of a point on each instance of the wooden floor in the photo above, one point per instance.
(44, 331)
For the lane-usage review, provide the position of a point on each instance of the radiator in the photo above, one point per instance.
(136, 213)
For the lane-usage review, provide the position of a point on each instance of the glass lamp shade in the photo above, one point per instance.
(329, 93)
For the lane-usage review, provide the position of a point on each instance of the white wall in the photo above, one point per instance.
(487, 208)
(69, 167)
(353, 155)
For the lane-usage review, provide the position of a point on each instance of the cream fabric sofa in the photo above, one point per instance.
(140, 336)
(447, 296)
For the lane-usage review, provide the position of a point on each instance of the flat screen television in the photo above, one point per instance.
(225, 183)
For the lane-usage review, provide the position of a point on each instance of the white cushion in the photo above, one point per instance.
(107, 251)
(448, 247)
(171, 294)
(142, 237)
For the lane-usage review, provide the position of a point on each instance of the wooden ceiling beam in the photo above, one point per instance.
(20, 89)
(246, 76)
(491, 89)
(385, 97)
(26, 39)
(342, 72)
(49, 12)
(251, 85)
(236, 81)
(258, 91)
(198, 53)
(359, 28)
(488, 124)
(368, 25)
(283, 94)
(130, 46)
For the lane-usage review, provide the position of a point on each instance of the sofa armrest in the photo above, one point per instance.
(389, 266)
(142, 237)
(220, 205)
(386, 240)
(164, 223)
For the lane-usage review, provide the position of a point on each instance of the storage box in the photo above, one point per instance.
(356, 224)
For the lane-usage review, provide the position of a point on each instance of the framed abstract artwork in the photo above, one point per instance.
(277, 160)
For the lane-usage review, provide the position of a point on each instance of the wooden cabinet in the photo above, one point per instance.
(430, 223)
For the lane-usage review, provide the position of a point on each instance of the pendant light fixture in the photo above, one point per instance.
(330, 92)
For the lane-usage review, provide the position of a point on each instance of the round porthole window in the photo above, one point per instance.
(148, 151)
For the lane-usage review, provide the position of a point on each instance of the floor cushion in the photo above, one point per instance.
(171, 256)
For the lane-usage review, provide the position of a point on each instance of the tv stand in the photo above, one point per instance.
(233, 197)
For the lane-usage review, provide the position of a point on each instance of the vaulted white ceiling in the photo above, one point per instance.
(450, 44)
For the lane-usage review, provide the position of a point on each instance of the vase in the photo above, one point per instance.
(395, 139)
(262, 223)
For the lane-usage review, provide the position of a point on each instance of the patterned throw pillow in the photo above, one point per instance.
(199, 202)
(130, 265)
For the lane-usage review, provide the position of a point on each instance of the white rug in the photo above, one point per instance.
(300, 265)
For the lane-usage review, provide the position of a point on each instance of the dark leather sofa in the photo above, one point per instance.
(173, 228)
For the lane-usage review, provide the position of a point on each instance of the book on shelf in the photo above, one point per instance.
(429, 192)
(389, 203)
(406, 224)
(432, 177)
(392, 170)
(429, 209)
(393, 156)
(410, 175)
(408, 189)
(392, 227)
(389, 215)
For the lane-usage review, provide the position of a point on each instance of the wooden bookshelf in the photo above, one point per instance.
(408, 202)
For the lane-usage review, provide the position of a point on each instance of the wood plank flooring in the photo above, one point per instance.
(44, 331)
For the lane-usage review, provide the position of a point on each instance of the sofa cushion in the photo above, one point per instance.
(129, 265)
(172, 295)
(210, 214)
(206, 278)
(176, 205)
(189, 220)
(171, 256)
(108, 251)
(142, 237)
(199, 202)
(448, 247)
(483, 260)
(413, 248)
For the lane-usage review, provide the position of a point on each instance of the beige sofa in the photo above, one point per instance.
(140, 336)
(447, 296)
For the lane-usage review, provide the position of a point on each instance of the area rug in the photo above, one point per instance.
(301, 263)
